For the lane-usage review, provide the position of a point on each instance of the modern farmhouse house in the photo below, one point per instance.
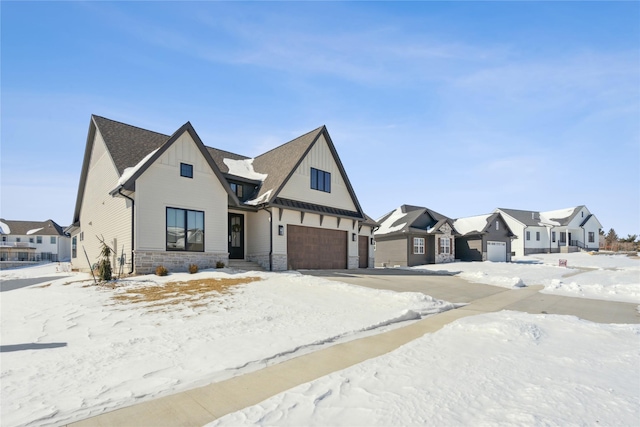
(562, 230)
(170, 200)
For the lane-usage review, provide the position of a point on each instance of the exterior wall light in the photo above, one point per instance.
(281, 230)
(353, 237)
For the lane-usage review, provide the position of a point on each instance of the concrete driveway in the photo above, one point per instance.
(450, 287)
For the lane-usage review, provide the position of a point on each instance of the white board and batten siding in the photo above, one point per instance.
(102, 215)
(161, 187)
(298, 185)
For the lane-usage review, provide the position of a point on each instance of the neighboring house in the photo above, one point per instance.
(563, 230)
(413, 235)
(33, 241)
(483, 238)
(170, 200)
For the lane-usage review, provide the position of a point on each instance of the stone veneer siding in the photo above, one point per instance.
(147, 261)
(353, 262)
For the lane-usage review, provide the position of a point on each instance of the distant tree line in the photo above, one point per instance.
(614, 243)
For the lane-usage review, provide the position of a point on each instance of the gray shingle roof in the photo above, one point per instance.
(127, 144)
(44, 228)
(415, 219)
(537, 218)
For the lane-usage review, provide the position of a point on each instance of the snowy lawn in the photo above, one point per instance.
(70, 349)
(606, 277)
(505, 368)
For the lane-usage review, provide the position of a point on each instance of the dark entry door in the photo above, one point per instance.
(363, 251)
(236, 236)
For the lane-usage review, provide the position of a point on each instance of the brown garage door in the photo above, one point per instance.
(363, 251)
(316, 248)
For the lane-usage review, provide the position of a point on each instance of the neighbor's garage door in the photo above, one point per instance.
(497, 251)
(316, 248)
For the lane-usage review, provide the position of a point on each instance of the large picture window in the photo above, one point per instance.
(320, 180)
(185, 230)
(418, 245)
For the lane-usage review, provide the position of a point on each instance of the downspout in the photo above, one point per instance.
(524, 241)
(133, 205)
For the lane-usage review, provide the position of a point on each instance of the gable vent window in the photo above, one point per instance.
(186, 170)
(320, 180)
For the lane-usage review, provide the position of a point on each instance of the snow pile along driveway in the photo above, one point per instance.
(71, 349)
(607, 277)
(505, 368)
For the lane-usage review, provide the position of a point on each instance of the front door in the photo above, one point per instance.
(236, 236)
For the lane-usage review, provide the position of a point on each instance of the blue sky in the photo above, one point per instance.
(462, 107)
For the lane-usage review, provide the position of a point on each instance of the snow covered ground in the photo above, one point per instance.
(71, 349)
(505, 368)
(607, 277)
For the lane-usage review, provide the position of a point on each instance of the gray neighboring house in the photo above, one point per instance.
(483, 238)
(33, 241)
(414, 235)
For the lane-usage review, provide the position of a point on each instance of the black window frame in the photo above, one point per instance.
(320, 180)
(197, 246)
(186, 170)
(237, 189)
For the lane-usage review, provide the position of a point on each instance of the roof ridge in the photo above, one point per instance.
(228, 152)
(294, 139)
(131, 126)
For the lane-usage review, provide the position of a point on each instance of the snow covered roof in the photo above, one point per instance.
(28, 228)
(558, 217)
(408, 218)
(244, 168)
(471, 224)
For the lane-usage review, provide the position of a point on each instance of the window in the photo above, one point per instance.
(528, 235)
(4, 238)
(553, 236)
(497, 225)
(538, 236)
(30, 239)
(237, 189)
(418, 245)
(185, 230)
(592, 237)
(445, 245)
(320, 180)
(186, 170)
(74, 245)
(53, 240)
(39, 239)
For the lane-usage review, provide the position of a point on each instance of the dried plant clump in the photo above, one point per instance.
(219, 264)
(161, 270)
(193, 268)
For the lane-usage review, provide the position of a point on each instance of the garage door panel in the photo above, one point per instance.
(316, 248)
(496, 251)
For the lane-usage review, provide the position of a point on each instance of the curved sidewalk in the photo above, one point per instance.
(202, 405)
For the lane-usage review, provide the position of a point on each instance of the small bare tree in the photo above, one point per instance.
(104, 264)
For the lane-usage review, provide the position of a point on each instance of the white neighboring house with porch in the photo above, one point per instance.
(170, 200)
(563, 230)
(33, 241)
